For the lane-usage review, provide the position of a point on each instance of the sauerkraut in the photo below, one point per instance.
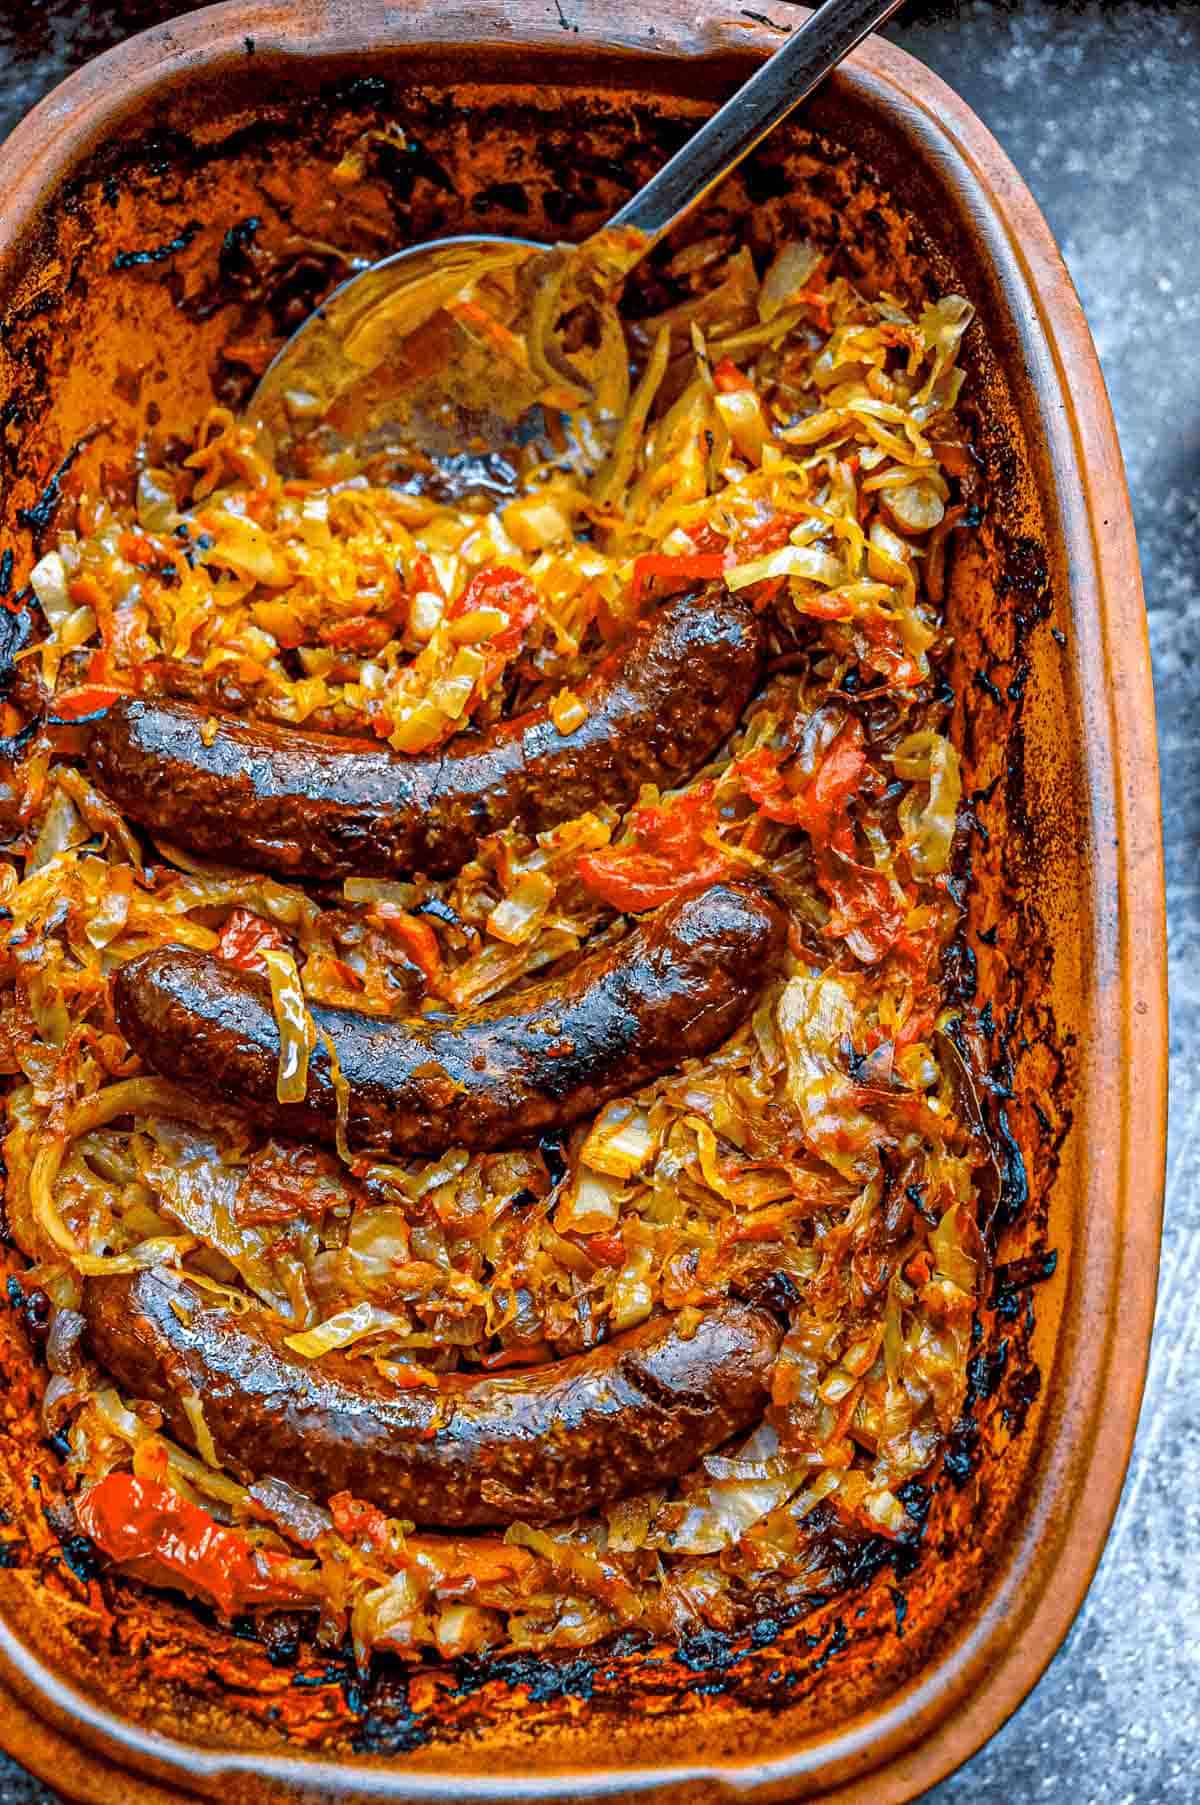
(774, 429)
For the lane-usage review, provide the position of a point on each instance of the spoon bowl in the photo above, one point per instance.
(414, 368)
(396, 371)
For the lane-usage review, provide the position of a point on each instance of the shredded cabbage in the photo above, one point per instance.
(297, 1031)
(769, 427)
(341, 1330)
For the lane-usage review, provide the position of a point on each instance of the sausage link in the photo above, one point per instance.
(536, 1446)
(280, 799)
(676, 985)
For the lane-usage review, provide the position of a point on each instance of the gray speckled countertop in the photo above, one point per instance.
(1099, 108)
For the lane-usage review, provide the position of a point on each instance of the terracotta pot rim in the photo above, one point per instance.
(996, 1659)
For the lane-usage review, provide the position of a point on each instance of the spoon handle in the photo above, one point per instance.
(784, 80)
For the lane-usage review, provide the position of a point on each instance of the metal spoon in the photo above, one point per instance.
(382, 373)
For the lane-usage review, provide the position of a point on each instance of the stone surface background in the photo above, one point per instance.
(1099, 107)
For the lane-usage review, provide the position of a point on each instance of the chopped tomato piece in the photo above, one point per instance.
(827, 606)
(865, 912)
(500, 586)
(887, 653)
(466, 1567)
(258, 506)
(414, 935)
(835, 781)
(918, 946)
(728, 378)
(245, 937)
(919, 1024)
(362, 632)
(919, 1270)
(357, 1521)
(350, 978)
(86, 592)
(284, 1181)
(765, 536)
(671, 574)
(135, 548)
(671, 855)
(423, 575)
(766, 785)
(708, 538)
(140, 1520)
(606, 1250)
(282, 622)
(81, 704)
(817, 299)
(705, 563)
(820, 803)
(408, 1374)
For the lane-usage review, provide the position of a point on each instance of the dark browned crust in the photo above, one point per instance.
(535, 1446)
(573, 152)
(678, 983)
(280, 799)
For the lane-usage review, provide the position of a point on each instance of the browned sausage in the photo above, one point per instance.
(534, 1446)
(678, 983)
(280, 799)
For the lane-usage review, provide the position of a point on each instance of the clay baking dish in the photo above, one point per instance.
(119, 284)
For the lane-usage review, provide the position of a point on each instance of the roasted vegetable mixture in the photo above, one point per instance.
(774, 437)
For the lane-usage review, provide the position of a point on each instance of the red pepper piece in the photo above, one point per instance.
(132, 1519)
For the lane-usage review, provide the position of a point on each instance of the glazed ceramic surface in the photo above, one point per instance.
(121, 292)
